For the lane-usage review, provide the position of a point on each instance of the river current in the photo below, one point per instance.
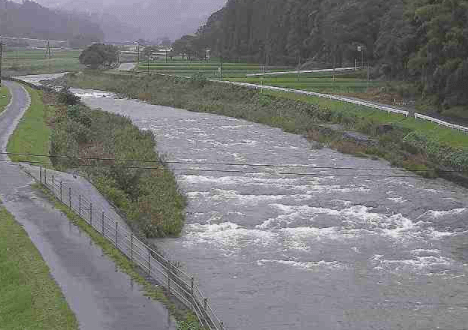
(305, 242)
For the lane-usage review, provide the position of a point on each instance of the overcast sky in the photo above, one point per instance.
(154, 18)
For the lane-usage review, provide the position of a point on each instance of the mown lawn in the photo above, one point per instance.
(32, 136)
(29, 297)
(5, 97)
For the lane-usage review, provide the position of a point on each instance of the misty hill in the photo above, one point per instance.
(31, 20)
(152, 18)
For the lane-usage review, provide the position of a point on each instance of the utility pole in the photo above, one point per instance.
(148, 64)
(138, 56)
(1, 59)
(48, 53)
(221, 67)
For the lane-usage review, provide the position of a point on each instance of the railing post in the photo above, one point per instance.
(90, 212)
(61, 191)
(191, 284)
(169, 280)
(131, 247)
(70, 197)
(40, 174)
(53, 179)
(149, 263)
(205, 303)
(79, 205)
(45, 176)
(116, 230)
(102, 223)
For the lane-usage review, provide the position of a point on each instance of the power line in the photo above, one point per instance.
(217, 163)
(230, 171)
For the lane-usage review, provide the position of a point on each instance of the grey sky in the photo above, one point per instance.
(154, 18)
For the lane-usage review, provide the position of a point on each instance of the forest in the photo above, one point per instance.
(31, 20)
(424, 41)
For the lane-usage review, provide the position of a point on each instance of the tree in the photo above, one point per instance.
(98, 55)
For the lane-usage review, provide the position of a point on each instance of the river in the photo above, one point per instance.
(305, 242)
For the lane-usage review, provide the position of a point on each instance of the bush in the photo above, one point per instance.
(67, 97)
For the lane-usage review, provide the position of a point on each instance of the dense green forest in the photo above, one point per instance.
(31, 20)
(425, 41)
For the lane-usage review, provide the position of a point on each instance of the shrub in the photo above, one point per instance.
(67, 97)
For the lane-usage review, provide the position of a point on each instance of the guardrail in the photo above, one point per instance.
(299, 71)
(441, 122)
(177, 282)
(328, 96)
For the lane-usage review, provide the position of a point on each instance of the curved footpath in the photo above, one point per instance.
(100, 296)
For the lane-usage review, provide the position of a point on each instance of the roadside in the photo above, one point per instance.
(100, 296)
(5, 97)
(29, 297)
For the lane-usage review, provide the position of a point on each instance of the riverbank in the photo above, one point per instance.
(29, 297)
(419, 146)
(5, 98)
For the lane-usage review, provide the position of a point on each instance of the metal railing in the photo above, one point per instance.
(441, 122)
(178, 283)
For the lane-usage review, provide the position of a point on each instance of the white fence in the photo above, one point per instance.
(177, 282)
(441, 122)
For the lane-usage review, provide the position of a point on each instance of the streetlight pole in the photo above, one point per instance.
(1, 59)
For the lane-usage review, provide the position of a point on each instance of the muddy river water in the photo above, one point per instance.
(306, 242)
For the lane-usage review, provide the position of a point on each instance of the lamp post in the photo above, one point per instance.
(1, 59)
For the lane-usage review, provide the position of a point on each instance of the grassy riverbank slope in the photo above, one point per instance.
(32, 135)
(29, 297)
(5, 98)
(420, 146)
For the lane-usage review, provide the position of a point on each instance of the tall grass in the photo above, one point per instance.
(137, 181)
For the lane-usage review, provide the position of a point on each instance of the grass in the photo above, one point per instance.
(186, 319)
(208, 68)
(5, 98)
(443, 135)
(32, 135)
(35, 61)
(29, 296)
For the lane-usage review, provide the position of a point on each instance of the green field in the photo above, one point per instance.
(342, 82)
(5, 98)
(36, 61)
(29, 297)
(210, 69)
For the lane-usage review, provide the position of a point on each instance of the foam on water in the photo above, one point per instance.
(438, 214)
(309, 265)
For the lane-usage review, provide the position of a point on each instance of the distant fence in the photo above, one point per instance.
(177, 282)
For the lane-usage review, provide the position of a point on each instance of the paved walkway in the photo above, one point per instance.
(99, 295)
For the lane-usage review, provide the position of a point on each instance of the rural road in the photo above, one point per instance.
(97, 292)
(127, 66)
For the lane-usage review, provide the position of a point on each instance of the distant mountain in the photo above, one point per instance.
(30, 19)
(150, 19)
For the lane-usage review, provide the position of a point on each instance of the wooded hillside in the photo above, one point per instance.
(421, 40)
(31, 20)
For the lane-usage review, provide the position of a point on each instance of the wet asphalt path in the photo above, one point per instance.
(98, 293)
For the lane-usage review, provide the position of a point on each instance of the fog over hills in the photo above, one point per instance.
(149, 19)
